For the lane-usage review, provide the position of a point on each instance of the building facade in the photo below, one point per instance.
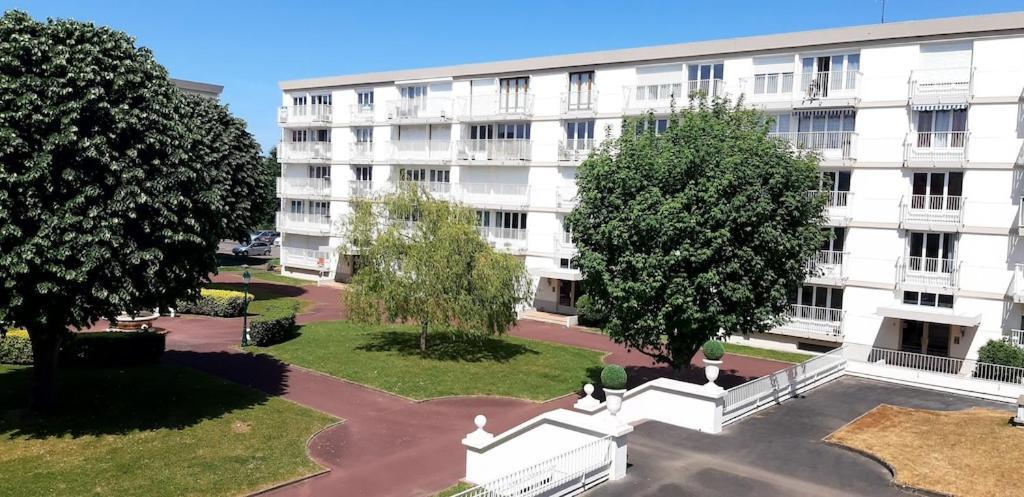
(920, 127)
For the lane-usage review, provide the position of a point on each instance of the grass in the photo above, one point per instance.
(227, 263)
(266, 302)
(971, 453)
(155, 431)
(774, 355)
(454, 489)
(388, 358)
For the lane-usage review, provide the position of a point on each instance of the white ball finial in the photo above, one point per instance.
(588, 389)
(480, 421)
(588, 402)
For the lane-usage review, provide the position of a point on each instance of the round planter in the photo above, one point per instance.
(613, 399)
(143, 321)
(711, 370)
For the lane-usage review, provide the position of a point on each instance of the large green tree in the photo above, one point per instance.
(115, 187)
(422, 260)
(704, 228)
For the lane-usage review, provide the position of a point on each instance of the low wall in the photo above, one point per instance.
(678, 403)
(961, 385)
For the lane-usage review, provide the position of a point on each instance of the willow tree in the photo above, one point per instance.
(422, 260)
(703, 228)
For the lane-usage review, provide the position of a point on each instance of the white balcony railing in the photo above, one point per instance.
(837, 206)
(360, 189)
(823, 85)
(933, 210)
(420, 109)
(493, 105)
(1016, 337)
(305, 114)
(566, 197)
(709, 87)
(769, 86)
(303, 151)
(828, 265)
(947, 85)
(929, 272)
(576, 149)
(439, 189)
(304, 223)
(658, 98)
(832, 145)
(504, 194)
(362, 151)
(494, 150)
(305, 258)
(579, 101)
(816, 320)
(937, 147)
(953, 366)
(303, 187)
(1018, 283)
(361, 113)
(511, 239)
(1020, 217)
(421, 150)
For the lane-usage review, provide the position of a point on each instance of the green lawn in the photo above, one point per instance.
(265, 302)
(388, 357)
(157, 431)
(227, 263)
(454, 489)
(775, 355)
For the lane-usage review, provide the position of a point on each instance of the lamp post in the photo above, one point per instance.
(245, 310)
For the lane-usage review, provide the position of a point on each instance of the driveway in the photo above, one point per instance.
(777, 452)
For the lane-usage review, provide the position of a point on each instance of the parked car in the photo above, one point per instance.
(267, 236)
(254, 248)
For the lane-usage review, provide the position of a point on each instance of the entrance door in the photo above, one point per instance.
(912, 334)
(566, 294)
(938, 339)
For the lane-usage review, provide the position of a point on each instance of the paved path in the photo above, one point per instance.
(388, 446)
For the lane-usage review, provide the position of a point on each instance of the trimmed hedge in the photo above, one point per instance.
(713, 350)
(591, 314)
(613, 377)
(264, 332)
(1002, 353)
(16, 348)
(113, 348)
(217, 303)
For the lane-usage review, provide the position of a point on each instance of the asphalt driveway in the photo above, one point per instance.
(777, 452)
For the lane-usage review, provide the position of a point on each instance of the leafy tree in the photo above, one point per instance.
(704, 227)
(114, 186)
(271, 169)
(422, 260)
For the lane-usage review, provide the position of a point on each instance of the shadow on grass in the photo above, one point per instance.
(117, 401)
(262, 290)
(464, 347)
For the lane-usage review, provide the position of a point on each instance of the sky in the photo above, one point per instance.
(250, 46)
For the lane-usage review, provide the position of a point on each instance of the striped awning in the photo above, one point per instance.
(939, 106)
(826, 112)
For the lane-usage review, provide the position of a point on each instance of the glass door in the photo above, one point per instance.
(580, 88)
(512, 94)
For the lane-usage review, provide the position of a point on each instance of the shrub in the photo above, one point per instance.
(15, 347)
(613, 377)
(113, 348)
(268, 331)
(217, 303)
(1002, 353)
(589, 313)
(713, 350)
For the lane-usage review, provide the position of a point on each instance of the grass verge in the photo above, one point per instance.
(454, 489)
(156, 431)
(227, 263)
(774, 355)
(388, 358)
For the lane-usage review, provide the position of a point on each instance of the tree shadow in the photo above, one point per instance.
(462, 347)
(118, 401)
(262, 290)
(235, 262)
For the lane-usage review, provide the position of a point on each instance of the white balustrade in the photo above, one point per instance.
(579, 101)
(300, 222)
(944, 85)
(420, 109)
(833, 145)
(933, 210)
(931, 272)
(421, 150)
(305, 258)
(303, 187)
(936, 148)
(297, 151)
(305, 114)
(576, 149)
(821, 85)
(495, 150)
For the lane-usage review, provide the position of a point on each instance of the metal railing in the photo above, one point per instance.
(781, 385)
(436, 188)
(828, 264)
(831, 144)
(936, 147)
(428, 150)
(304, 222)
(1016, 338)
(361, 113)
(304, 150)
(942, 85)
(964, 368)
(656, 97)
(1018, 283)
(305, 114)
(494, 193)
(566, 197)
(579, 101)
(829, 84)
(420, 108)
(499, 149)
(491, 232)
(305, 258)
(819, 320)
(360, 151)
(360, 189)
(933, 209)
(929, 271)
(709, 87)
(575, 149)
(496, 105)
(564, 474)
(303, 187)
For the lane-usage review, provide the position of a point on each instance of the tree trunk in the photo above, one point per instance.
(45, 345)
(423, 336)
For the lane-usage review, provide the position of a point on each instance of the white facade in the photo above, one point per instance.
(920, 126)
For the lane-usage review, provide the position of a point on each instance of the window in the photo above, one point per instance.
(363, 173)
(824, 75)
(320, 208)
(773, 83)
(836, 240)
(580, 90)
(779, 123)
(412, 174)
(323, 135)
(322, 99)
(440, 176)
(931, 252)
(363, 135)
(566, 263)
(705, 77)
(579, 135)
(481, 132)
(665, 91)
(319, 172)
(364, 100)
(300, 135)
(297, 207)
(512, 94)
(514, 131)
(928, 299)
(937, 190)
(414, 99)
(659, 125)
(299, 101)
(941, 128)
(826, 130)
(818, 296)
(502, 219)
(837, 185)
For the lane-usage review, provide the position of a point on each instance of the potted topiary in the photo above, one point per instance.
(713, 352)
(613, 382)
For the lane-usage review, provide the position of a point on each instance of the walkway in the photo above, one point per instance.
(388, 446)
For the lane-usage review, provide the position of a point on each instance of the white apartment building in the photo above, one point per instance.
(920, 126)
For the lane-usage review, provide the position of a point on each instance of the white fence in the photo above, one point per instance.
(933, 209)
(568, 473)
(779, 386)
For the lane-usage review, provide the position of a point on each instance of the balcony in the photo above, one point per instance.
(361, 113)
(1018, 283)
(656, 98)
(360, 152)
(821, 323)
(835, 147)
(932, 212)
(502, 150)
(837, 206)
(437, 189)
(491, 107)
(508, 239)
(828, 267)
(949, 86)
(304, 151)
(302, 223)
(936, 149)
(1016, 338)
(420, 110)
(318, 260)
(1020, 218)
(709, 87)
(566, 198)
(930, 274)
(502, 195)
(304, 115)
(303, 187)
(575, 150)
(359, 189)
(579, 103)
(829, 89)
(421, 151)
(770, 91)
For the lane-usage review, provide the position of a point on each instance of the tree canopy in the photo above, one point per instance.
(704, 227)
(115, 187)
(423, 260)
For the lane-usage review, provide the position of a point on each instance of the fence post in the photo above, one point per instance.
(617, 467)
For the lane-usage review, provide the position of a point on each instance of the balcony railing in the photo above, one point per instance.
(362, 151)
(944, 210)
(305, 258)
(421, 150)
(361, 113)
(304, 114)
(658, 98)
(816, 320)
(514, 105)
(964, 368)
(360, 189)
(303, 187)
(506, 194)
(837, 205)
(936, 148)
(828, 265)
(769, 86)
(833, 145)
(494, 150)
(948, 85)
(566, 197)
(420, 109)
(1020, 217)
(823, 85)
(512, 239)
(584, 101)
(438, 189)
(709, 87)
(304, 223)
(576, 149)
(929, 272)
(301, 151)
(1018, 283)
(1016, 338)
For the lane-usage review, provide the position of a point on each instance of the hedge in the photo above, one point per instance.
(591, 314)
(16, 348)
(217, 303)
(264, 332)
(108, 348)
(1002, 353)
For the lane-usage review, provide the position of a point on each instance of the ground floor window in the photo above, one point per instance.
(568, 293)
(928, 299)
(925, 338)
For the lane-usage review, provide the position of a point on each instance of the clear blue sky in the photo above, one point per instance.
(248, 46)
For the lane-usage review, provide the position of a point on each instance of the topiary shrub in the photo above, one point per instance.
(15, 347)
(217, 303)
(590, 314)
(268, 331)
(613, 377)
(1002, 353)
(713, 350)
(113, 348)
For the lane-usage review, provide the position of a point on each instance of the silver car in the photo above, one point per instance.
(254, 248)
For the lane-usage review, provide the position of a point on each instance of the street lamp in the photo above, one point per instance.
(245, 310)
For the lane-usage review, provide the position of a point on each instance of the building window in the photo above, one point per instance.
(502, 219)
(705, 78)
(931, 252)
(300, 135)
(773, 83)
(514, 131)
(319, 172)
(363, 173)
(826, 74)
(364, 100)
(659, 126)
(363, 135)
(941, 128)
(481, 132)
(297, 207)
(299, 101)
(937, 190)
(512, 94)
(581, 86)
(837, 186)
(836, 240)
(320, 208)
(579, 135)
(323, 135)
(566, 263)
(928, 299)
(818, 296)
(322, 99)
